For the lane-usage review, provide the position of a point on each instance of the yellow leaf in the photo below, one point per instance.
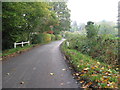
(102, 68)
(86, 68)
(81, 81)
(98, 63)
(92, 67)
(51, 74)
(81, 74)
(63, 69)
(77, 74)
(96, 66)
(94, 75)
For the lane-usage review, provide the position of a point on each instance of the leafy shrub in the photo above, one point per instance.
(69, 35)
(89, 69)
(47, 37)
(52, 37)
(58, 37)
(92, 29)
(37, 38)
(103, 48)
(40, 38)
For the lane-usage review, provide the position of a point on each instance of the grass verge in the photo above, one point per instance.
(13, 52)
(91, 72)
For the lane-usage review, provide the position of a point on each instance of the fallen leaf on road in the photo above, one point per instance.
(8, 73)
(64, 69)
(64, 57)
(76, 82)
(51, 74)
(61, 83)
(70, 67)
(22, 82)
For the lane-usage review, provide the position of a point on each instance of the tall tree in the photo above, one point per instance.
(63, 14)
(21, 18)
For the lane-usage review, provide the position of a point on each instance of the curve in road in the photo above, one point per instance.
(41, 67)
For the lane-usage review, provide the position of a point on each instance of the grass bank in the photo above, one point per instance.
(91, 72)
(15, 51)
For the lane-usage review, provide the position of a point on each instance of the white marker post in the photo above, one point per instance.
(22, 44)
(15, 45)
(68, 44)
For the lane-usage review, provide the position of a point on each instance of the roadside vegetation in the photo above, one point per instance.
(38, 39)
(94, 57)
(37, 22)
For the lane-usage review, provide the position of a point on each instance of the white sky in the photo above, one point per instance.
(93, 10)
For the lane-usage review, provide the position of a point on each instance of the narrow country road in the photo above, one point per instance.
(33, 69)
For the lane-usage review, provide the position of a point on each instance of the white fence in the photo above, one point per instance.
(15, 44)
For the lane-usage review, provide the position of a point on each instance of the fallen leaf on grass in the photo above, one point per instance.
(87, 85)
(98, 63)
(81, 74)
(92, 67)
(82, 81)
(85, 69)
(117, 68)
(76, 74)
(102, 68)
(94, 75)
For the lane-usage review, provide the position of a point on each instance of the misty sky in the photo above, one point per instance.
(93, 10)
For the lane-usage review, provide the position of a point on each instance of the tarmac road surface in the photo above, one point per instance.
(41, 67)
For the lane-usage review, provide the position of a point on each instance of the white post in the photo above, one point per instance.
(22, 44)
(68, 44)
(28, 42)
(15, 45)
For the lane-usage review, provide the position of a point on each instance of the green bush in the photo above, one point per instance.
(37, 38)
(103, 48)
(40, 38)
(52, 37)
(47, 37)
(89, 69)
(58, 37)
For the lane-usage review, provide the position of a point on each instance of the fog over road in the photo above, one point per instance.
(41, 67)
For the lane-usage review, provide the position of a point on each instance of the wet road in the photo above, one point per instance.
(41, 67)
